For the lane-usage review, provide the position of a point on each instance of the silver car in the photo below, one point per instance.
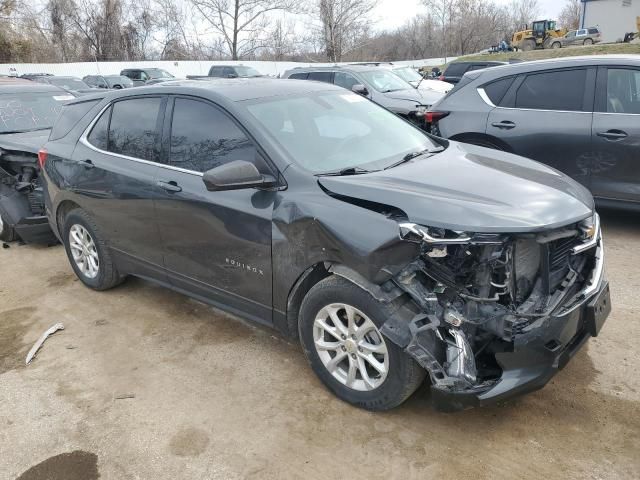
(584, 36)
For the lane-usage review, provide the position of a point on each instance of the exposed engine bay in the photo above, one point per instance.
(21, 195)
(479, 295)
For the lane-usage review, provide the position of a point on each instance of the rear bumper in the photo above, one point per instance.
(536, 356)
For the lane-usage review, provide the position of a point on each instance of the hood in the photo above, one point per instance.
(29, 142)
(472, 189)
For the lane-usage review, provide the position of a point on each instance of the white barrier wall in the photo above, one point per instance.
(177, 68)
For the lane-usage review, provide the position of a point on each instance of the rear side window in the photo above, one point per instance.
(133, 130)
(299, 76)
(593, 31)
(215, 72)
(203, 137)
(69, 117)
(99, 135)
(321, 76)
(559, 90)
(496, 90)
(456, 69)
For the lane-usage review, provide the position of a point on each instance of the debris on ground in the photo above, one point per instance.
(125, 396)
(6, 245)
(101, 322)
(38, 344)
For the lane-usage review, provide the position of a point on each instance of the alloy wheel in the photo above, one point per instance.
(351, 347)
(84, 251)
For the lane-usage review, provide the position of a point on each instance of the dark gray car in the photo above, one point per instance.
(378, 84)
(580, 115)
(389, 253)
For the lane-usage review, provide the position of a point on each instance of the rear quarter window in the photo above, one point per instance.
(496, 90)
(299, 76)
(593, 31)
(69, 117)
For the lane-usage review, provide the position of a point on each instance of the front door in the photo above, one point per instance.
(115, 168)
(616, 135)
(547, 117)
(217, 244)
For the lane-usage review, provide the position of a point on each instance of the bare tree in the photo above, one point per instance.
(443, 11)
(342, 25)
(523, 13)
(570, 15)
(241, 23)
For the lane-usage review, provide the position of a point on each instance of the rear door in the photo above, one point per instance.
(113, 172)
(217, 244)
(616, 134)
(547, 116)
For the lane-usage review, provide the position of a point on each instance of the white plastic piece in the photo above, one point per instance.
(38, 344)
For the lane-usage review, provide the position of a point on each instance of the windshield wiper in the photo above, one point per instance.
(410, 156)
(347, 171)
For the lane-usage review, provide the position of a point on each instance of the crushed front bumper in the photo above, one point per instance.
(540, 353)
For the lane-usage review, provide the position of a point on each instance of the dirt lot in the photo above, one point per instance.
(215, 398)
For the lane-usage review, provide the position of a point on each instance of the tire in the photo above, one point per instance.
(7, 233)
(402, 374)
(587, 41)
(556, 45)
(528, 45)
(105, 276)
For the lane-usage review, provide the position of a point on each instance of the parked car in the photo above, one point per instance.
(584, 36)
(577, 114)
(27, 111)
(147, 76)
(72, 85)
(377, 84)
(33, 76)
(115, 82)
(455, 70)
(411, 76)
(302, 206)
(228, 71)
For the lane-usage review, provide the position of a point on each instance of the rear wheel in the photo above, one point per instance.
(587, 41)
(339, 327)
(87, 252)
(555, 45)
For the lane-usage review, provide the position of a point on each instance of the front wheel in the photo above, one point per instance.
(339, 327)
(555, 45)
(587, 41)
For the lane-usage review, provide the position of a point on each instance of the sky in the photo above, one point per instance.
(394, 13)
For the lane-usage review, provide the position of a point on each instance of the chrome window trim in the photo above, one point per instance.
(85, 141)
(485, 97)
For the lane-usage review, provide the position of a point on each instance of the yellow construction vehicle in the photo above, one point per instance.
(538, 36)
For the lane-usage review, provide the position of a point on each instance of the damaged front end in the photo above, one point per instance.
(499, 314)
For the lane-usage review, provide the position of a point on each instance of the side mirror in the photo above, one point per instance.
(236, 175)
(360, 89)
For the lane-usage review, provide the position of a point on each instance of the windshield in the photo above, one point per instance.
(23, 112)
(119, 80)
(247, 72)
(158, 73)
(384, 81)
(408, 74)
(329, 132)
(68, 83)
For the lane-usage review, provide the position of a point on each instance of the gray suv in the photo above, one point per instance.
(580, 115)
(378, 84)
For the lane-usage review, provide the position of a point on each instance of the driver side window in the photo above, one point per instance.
(203, 137)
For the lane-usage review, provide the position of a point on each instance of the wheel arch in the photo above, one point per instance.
(318, 272)
(63, 209)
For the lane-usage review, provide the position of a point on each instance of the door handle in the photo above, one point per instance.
(613, 134)
(504, 124)
(171, 187)
(88, 164)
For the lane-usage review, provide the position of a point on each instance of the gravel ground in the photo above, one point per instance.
(145, 383)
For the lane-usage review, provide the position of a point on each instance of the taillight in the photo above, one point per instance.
(432, 117)
(42, 157)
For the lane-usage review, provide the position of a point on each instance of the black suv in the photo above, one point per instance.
(456, 70)
(299, 205)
